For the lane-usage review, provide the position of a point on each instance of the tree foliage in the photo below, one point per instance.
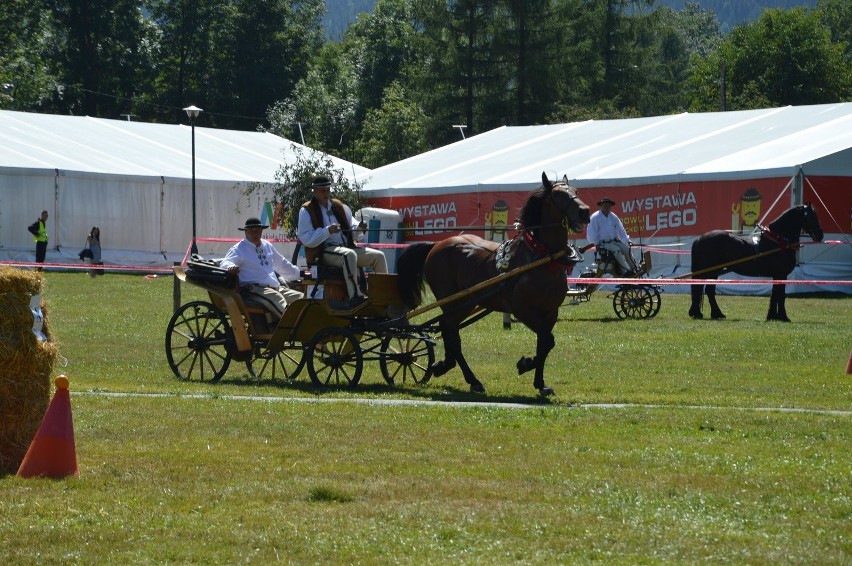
(404, 75)
(786, 57)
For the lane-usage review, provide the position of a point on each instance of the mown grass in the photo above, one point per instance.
(697, 468)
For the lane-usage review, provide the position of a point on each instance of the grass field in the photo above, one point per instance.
(669, 441)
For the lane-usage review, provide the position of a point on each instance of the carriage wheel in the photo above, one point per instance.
(334, 357)
(199, 342)
(284, 365)
(636, 301)
(406, 357)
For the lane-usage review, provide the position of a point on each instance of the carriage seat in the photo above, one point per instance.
(330, 277)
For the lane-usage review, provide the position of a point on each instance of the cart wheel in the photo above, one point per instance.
(334, 357)
(284, 365)
(636, 301)
(406, 357)
(199, 342)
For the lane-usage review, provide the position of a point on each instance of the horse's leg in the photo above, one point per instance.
(777, 306)
(544, 344)
(695, 308)
(453, 354)
(715, 312)
(441, 367)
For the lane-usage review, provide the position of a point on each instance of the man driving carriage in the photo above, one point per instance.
(259, 266)
(607, 232)
(325, 229)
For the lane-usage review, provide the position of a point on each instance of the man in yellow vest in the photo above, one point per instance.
(40, 236)
(325, 229)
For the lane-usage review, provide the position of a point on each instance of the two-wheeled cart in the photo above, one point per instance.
(638, 300)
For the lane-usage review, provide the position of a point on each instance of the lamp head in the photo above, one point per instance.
(193, 111)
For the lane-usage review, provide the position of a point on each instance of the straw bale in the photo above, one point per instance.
(26, 365)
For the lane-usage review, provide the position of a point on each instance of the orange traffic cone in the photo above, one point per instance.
(52, 453)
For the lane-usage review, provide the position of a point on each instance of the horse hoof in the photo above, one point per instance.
(525, 364)
(719, 316)
(477, 388)
(440, 368)
(546, 391)
(696, 315)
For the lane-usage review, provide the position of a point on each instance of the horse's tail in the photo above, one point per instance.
(409, 268)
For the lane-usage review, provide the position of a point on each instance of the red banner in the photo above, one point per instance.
(658, 210)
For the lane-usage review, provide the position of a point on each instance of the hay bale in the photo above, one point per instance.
(26, 364)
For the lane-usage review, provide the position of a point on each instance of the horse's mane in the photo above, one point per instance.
(532, 210)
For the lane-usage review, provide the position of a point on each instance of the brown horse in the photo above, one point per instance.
(533, 297)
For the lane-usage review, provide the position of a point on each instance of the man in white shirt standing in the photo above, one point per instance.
(606, 232)
(259, 265)
(325, 229)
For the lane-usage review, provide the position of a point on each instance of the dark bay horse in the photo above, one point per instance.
(717, 248)
(533, 297)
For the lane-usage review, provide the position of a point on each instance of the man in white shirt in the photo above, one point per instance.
(259, 265)
(325, 229)
(606, 231)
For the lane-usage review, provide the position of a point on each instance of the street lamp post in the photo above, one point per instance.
(192, 112)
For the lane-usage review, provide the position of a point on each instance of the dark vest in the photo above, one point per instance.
(313, 208)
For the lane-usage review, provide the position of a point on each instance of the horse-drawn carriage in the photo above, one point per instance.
(629, 300)
(528, 281)
(203, 337)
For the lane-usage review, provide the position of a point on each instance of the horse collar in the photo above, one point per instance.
(774, 236)
(534, 245)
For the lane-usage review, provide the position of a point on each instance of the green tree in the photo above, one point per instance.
(104, 54)
(28, 75)
(323, 104)
(293, 186)
(786, 57)
(392, 132)
(837, 17)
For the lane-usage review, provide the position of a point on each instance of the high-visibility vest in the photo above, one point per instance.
(42, 233)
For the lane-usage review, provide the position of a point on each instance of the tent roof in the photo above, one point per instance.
(715, 145)
(98, 145)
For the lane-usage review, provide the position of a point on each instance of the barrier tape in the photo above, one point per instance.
(89, 266)
(669, 281)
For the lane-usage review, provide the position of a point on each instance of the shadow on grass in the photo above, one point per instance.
(378, 391)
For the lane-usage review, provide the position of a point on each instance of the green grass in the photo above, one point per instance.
(694, 469)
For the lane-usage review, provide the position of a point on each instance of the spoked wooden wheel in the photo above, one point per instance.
(199, 342)
(283, 365)
(636, 301)
(334, 357)
(406, 357)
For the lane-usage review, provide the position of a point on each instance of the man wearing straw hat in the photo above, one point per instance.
(325, 229)
(259, 266)
(607, 232)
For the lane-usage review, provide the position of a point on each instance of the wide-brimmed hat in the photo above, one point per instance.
(606, 200)
(321, 181)
(253, 223)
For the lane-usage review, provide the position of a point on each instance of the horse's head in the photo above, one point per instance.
(810, 223)
(563, 198)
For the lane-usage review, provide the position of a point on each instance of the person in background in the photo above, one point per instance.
(259, 266)
(93, 243)
(325, 229)
(39, 231)
(606, 232)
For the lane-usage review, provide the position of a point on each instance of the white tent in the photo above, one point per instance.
(134, 181)
(673, 177)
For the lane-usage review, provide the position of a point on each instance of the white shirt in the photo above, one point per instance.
(259, 264)
(312, 237)
(605, 227)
